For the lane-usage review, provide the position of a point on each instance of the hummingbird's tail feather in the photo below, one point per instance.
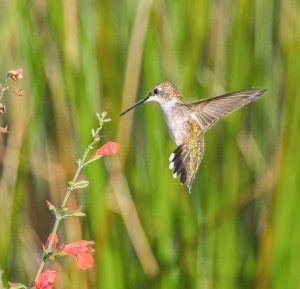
(208, 111)
(178, 161)
(185, 160)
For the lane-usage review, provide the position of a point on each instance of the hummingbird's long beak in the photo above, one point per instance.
(135, 105)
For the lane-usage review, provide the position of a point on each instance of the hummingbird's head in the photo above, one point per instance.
(162, 93)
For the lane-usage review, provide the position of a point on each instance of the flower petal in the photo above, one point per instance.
(109, 148)
(81, 251)
(84, 261)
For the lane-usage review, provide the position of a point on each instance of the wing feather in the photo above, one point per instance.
(209, 110)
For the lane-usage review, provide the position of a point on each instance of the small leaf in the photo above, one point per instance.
(59, 253)
(94, 158)
(78, 214)
(64, 210)
(16, 285)
(81, 184)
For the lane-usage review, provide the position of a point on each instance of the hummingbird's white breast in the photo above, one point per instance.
(177, 117)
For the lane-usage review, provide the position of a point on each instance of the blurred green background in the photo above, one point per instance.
(240, 227)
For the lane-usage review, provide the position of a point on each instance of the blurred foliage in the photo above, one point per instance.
(239, 227)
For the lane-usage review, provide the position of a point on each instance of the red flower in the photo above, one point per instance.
(82, 252)
(109, 148)
(55, 241)
(15, 74)
(45, 280)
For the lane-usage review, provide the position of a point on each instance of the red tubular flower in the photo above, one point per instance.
(45, 280)
(109, 148)
(55, 241)
(15, 74)
(82, 252)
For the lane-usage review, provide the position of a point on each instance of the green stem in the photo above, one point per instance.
(42, 264)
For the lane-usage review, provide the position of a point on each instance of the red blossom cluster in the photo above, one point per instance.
(81, 250)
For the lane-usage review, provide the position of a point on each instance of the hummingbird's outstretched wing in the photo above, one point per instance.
(185, 160)
(208, 111)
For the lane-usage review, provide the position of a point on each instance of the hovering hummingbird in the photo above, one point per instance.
(188, 123)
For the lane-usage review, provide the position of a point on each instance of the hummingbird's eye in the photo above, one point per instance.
(156, 91)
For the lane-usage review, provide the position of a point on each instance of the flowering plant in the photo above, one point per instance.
(82, 250)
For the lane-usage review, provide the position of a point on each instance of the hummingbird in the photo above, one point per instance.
(188, 123)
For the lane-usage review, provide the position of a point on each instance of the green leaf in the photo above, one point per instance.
(78, 214)
(81, 184)
(16, 285)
